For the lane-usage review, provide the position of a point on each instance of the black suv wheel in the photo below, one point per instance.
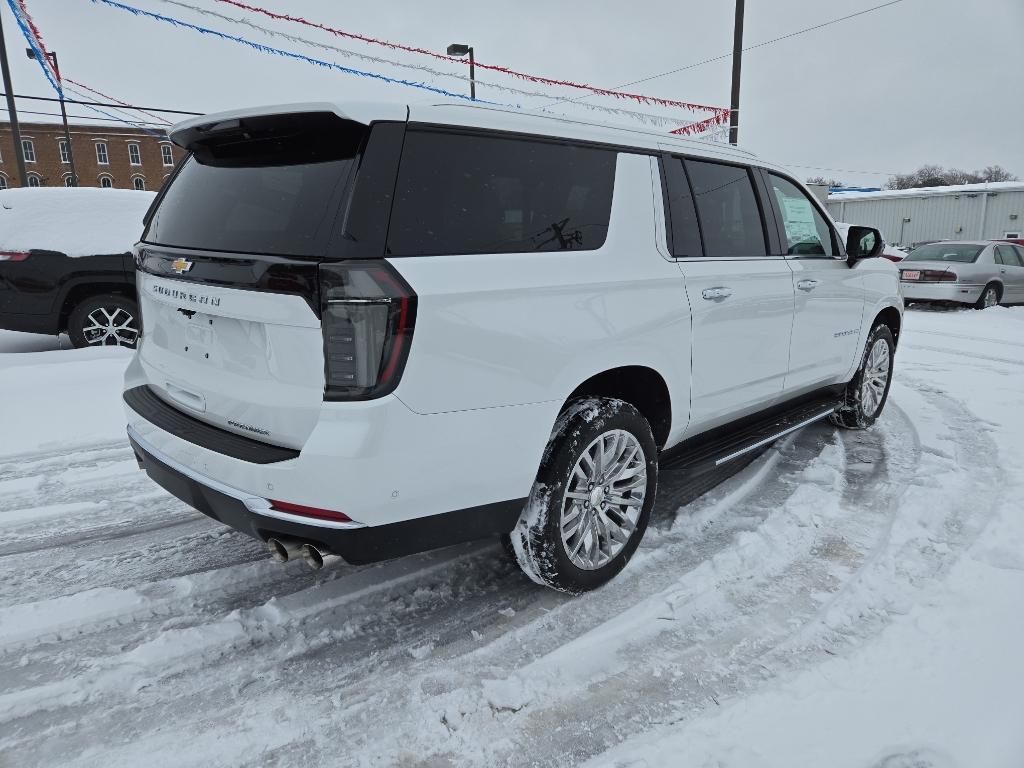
(107, 320)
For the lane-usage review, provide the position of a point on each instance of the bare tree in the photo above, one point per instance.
(937, 176)
(995, 173)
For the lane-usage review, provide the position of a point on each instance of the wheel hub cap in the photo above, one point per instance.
(875, 377)
(110, 326)
(603, 499)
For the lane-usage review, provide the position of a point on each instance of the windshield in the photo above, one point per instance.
(272, 189)
(964, 253)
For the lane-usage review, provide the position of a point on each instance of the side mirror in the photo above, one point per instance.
(863, 243)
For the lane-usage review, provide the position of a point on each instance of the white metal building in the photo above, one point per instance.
(908, 216)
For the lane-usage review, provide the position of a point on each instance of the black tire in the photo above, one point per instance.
(982, 302)
(121, 312)
(537, 543)
(853, 413)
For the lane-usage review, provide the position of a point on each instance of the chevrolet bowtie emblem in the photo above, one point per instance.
(181, 265)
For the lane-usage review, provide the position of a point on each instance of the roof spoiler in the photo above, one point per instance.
(186, 133)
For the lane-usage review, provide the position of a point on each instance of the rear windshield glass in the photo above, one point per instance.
(462, 194)
(264, 186)
(959, 252)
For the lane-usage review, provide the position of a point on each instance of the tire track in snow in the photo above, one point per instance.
(468, 590)
(706, 609)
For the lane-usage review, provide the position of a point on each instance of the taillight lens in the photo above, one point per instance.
(13, 255)
(368, 313)
(939, 276)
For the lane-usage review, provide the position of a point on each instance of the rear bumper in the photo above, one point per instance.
(355, 542)
(959, 292)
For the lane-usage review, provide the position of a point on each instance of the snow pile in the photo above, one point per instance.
(75, 222)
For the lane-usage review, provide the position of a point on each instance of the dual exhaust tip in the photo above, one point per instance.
(284, 550)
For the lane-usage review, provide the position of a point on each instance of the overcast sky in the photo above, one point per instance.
(922, 81)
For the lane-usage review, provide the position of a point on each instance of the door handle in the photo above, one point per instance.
(807, 285)
(713, 294)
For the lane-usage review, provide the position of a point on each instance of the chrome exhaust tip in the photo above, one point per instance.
(316, 558)
(283, 550)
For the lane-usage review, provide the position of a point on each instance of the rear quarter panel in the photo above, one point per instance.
(498, 330)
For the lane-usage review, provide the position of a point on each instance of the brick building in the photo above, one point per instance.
(119, 157)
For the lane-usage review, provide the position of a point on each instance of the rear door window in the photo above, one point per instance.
(469, 193)
(807, 232)
(272, 186)
(1008, 255)
(729, 214)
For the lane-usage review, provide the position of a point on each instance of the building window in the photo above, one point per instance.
(139, 183)
(106, 182)
(33, 181)
(101, 153)
(133, 154)
(65, 152)
(3, 181)
(69, 180)
(167, 154)
(29, 150)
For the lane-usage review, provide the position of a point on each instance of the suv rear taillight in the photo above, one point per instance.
(13, 255)
(368, 314)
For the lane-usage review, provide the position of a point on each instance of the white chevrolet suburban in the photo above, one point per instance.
(369, 330)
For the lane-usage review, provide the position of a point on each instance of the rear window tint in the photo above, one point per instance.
(275, 192)
(463, 194)
(729, 215)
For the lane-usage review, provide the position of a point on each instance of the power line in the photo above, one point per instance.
(103, 104)
(78, 117)
(749, 48)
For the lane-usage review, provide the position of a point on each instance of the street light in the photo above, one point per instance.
(461, 49)
(31, 52)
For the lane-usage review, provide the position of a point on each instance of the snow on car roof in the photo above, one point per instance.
(76, 222)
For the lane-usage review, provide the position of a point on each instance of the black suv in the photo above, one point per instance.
(66, 266)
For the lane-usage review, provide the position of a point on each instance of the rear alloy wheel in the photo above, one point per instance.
(108, 320)
(866, 394)
(989, 297)
(592, 499)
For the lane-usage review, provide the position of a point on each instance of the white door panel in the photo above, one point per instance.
(742, 322)
(826, 327)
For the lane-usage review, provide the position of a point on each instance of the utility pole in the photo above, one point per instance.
(19, 152)
(63, 113)
(737, 59)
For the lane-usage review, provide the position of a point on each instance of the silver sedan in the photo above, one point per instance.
(980, 273)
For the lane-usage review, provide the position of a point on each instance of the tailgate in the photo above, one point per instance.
(250, 362)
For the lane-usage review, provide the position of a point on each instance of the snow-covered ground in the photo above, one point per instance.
(848, 599)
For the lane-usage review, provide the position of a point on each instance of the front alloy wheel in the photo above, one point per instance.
(875, 380)
(866, 394)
